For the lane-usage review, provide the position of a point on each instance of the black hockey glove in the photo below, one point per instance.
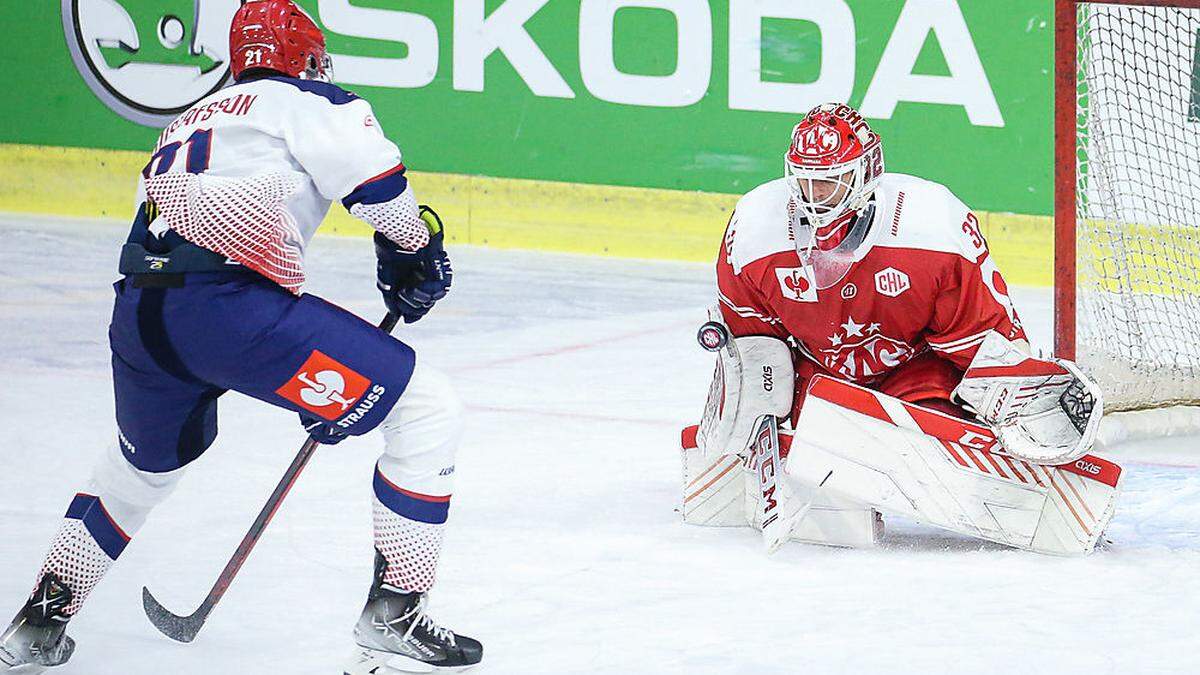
(322, 431)
(412, 281)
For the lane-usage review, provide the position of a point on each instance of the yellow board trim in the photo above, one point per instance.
(500, 212)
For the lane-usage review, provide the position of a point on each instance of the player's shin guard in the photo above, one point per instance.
(87, 544)
(414, 479)
(99, 523)
(408, 533)
(412, 487)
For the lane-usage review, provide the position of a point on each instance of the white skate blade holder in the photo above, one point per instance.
(366, 661)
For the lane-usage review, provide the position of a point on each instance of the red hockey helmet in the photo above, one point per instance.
(832, 167)
(278, 35)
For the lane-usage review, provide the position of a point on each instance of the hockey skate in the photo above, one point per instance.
(395, 635)
(37, 638)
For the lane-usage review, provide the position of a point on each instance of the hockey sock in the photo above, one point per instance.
(408, 533)
(86, 546)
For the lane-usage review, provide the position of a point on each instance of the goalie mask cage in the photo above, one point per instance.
(1127, 197)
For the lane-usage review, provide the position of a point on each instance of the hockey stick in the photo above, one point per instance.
(775, 502)
(185, 628)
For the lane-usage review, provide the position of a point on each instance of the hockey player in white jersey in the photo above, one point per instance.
(210, 301)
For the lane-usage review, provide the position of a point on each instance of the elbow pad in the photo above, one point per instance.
(387, 204)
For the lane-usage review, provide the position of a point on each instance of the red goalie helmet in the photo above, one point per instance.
(277, 35)
(832, 167)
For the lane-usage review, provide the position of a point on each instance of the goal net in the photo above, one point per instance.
(1136, 194)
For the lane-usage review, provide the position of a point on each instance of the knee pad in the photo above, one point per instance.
(421, 434)
(128, 493)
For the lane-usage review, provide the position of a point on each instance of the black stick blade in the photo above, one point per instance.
(178, 628)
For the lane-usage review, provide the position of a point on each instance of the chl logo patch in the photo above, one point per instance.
(891, 282)
(324, 387)
(150, 60)
(796, 283)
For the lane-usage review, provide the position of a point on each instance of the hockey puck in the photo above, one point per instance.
(713, 336)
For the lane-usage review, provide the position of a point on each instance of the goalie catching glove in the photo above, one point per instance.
(1043, 411)
(412, 281)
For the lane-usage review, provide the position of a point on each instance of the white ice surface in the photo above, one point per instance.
(564, 554)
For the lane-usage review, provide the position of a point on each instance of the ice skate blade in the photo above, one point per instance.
(373, 662)
(25, 669)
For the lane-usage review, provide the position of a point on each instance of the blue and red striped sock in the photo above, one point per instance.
(408, 533)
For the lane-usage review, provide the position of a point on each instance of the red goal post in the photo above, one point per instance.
(1127, 197)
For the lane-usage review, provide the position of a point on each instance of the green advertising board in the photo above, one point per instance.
(689, 95)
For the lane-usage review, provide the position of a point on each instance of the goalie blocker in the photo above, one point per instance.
(901, 458)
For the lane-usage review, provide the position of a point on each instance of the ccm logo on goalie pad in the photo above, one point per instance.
(324, 386)
(762, 460)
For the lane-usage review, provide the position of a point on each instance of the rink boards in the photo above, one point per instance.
(501, 212)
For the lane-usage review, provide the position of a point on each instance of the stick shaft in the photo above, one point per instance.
(256, 529)
(255, 532)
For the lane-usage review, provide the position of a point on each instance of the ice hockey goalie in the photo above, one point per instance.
(870, 360)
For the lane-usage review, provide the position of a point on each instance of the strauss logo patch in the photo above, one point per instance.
(324, 386)
(860, 351)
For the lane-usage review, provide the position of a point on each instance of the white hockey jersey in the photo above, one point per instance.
(249, 172)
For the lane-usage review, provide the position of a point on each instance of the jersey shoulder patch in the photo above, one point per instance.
(924, 215)
(760, 225)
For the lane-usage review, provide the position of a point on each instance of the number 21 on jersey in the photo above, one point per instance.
(198, 153)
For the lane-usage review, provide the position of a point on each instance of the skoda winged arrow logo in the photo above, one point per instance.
(150, 60)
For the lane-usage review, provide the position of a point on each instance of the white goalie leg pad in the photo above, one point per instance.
(810, 516)
(835, 521)
(943, 471)
(720, 492)
(1043, 411)
(714, 489)
(754, 376)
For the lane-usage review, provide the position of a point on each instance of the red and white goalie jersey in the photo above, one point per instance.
(904, 313)
(249, 172)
